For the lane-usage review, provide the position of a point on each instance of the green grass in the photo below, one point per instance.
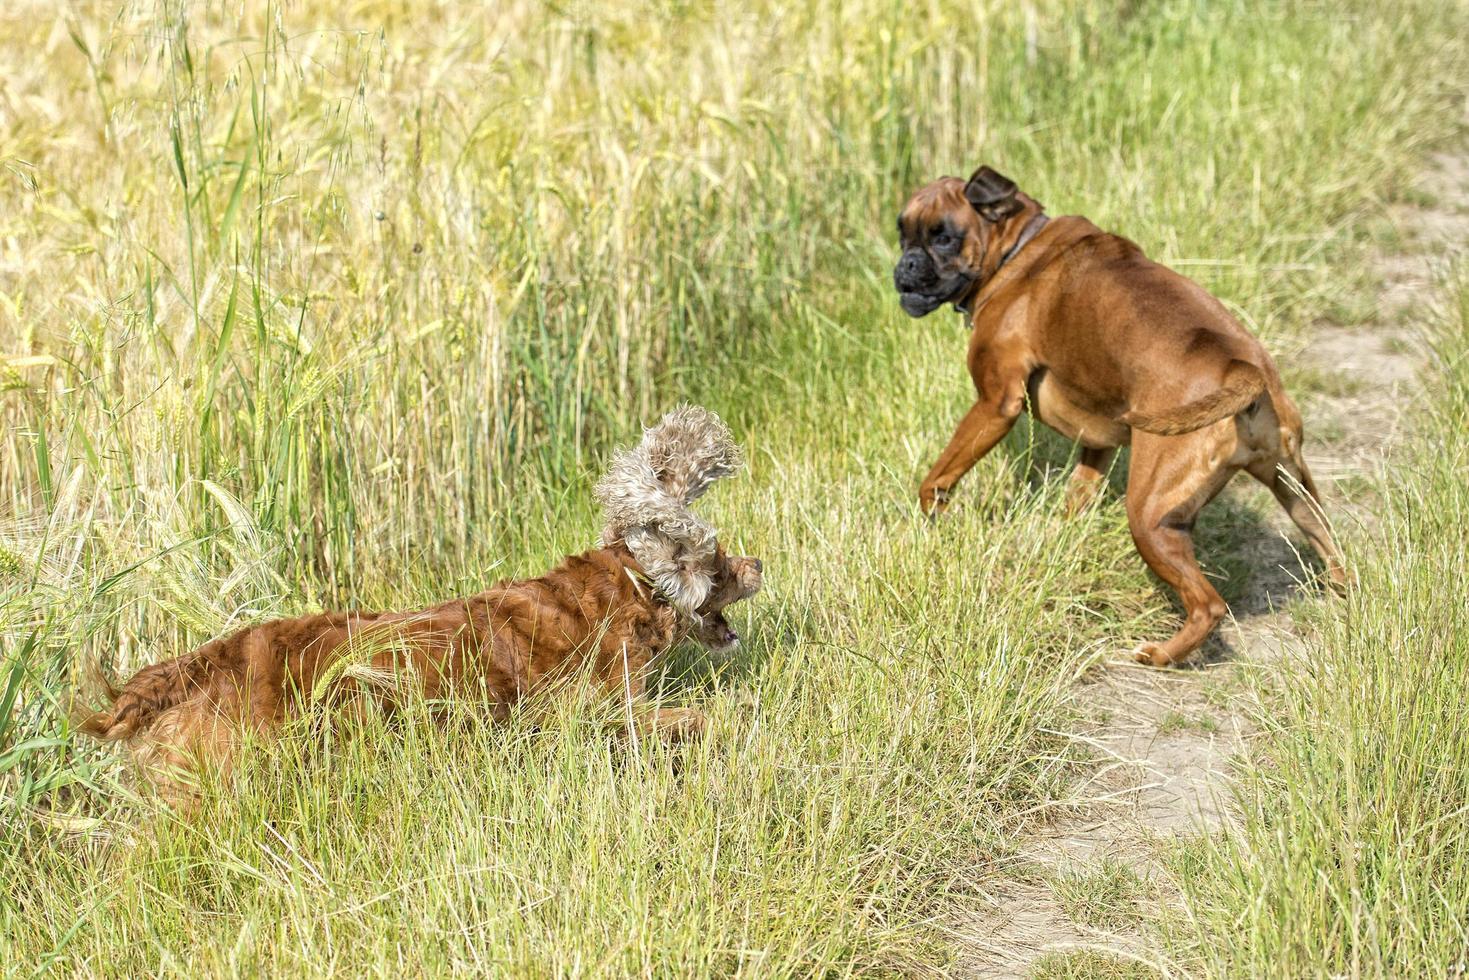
(1102, 896)
(1176, 722)
(1353, 857)
(1089, 965)
(304, 308)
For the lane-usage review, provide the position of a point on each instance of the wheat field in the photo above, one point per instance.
(306, 305)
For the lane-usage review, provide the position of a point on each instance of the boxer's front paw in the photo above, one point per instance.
(933, 500)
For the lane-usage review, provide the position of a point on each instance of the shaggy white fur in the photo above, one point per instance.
(646, 493)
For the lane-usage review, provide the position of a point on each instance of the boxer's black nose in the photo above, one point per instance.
(913, 270)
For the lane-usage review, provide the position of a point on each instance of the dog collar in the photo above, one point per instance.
(1032, 228)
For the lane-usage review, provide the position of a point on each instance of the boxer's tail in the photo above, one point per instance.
(1243, 383)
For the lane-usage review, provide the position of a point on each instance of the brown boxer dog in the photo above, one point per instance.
(1109, 349)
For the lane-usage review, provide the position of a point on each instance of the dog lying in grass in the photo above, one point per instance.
(600, 617)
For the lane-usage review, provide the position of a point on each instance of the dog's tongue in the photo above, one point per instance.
(721, 628)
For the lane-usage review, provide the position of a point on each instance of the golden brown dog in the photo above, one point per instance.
(601, 616)
(1109, 349)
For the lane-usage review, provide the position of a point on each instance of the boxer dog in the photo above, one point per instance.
(1110, 349)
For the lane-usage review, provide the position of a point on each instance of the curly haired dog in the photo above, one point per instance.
(659, 576)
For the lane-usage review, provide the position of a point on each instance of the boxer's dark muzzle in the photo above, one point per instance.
(921, 288)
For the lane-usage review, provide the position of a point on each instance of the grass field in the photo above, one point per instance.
(312, 304)
(1354, 853)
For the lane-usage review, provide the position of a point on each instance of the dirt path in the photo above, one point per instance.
(1165, 739)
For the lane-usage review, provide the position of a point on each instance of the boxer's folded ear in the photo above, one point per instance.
(992, 194)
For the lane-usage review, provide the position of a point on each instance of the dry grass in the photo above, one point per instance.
(306, 305)
(1353, 856)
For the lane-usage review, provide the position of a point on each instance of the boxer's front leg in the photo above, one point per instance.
(985, 424)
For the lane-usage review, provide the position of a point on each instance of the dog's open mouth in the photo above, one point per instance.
(716, 633)
(917, 304)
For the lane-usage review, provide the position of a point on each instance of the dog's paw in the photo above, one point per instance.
(1151, 654)
(676, 725)
(933, 501)
(1341, 581)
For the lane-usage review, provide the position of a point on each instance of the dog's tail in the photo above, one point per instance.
(1243, 383)
(151, 690)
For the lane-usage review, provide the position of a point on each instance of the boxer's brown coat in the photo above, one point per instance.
(1109, 349)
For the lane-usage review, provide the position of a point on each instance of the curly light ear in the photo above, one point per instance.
(631, 495)
(678, 571)
(671, 467)
(689, 449)
(645, 500)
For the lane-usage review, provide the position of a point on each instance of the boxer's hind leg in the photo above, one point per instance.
(1290, 481)
(1170, 480)
(1088, 479)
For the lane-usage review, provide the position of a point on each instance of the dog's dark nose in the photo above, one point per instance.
(759, 565)
(912, 271)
